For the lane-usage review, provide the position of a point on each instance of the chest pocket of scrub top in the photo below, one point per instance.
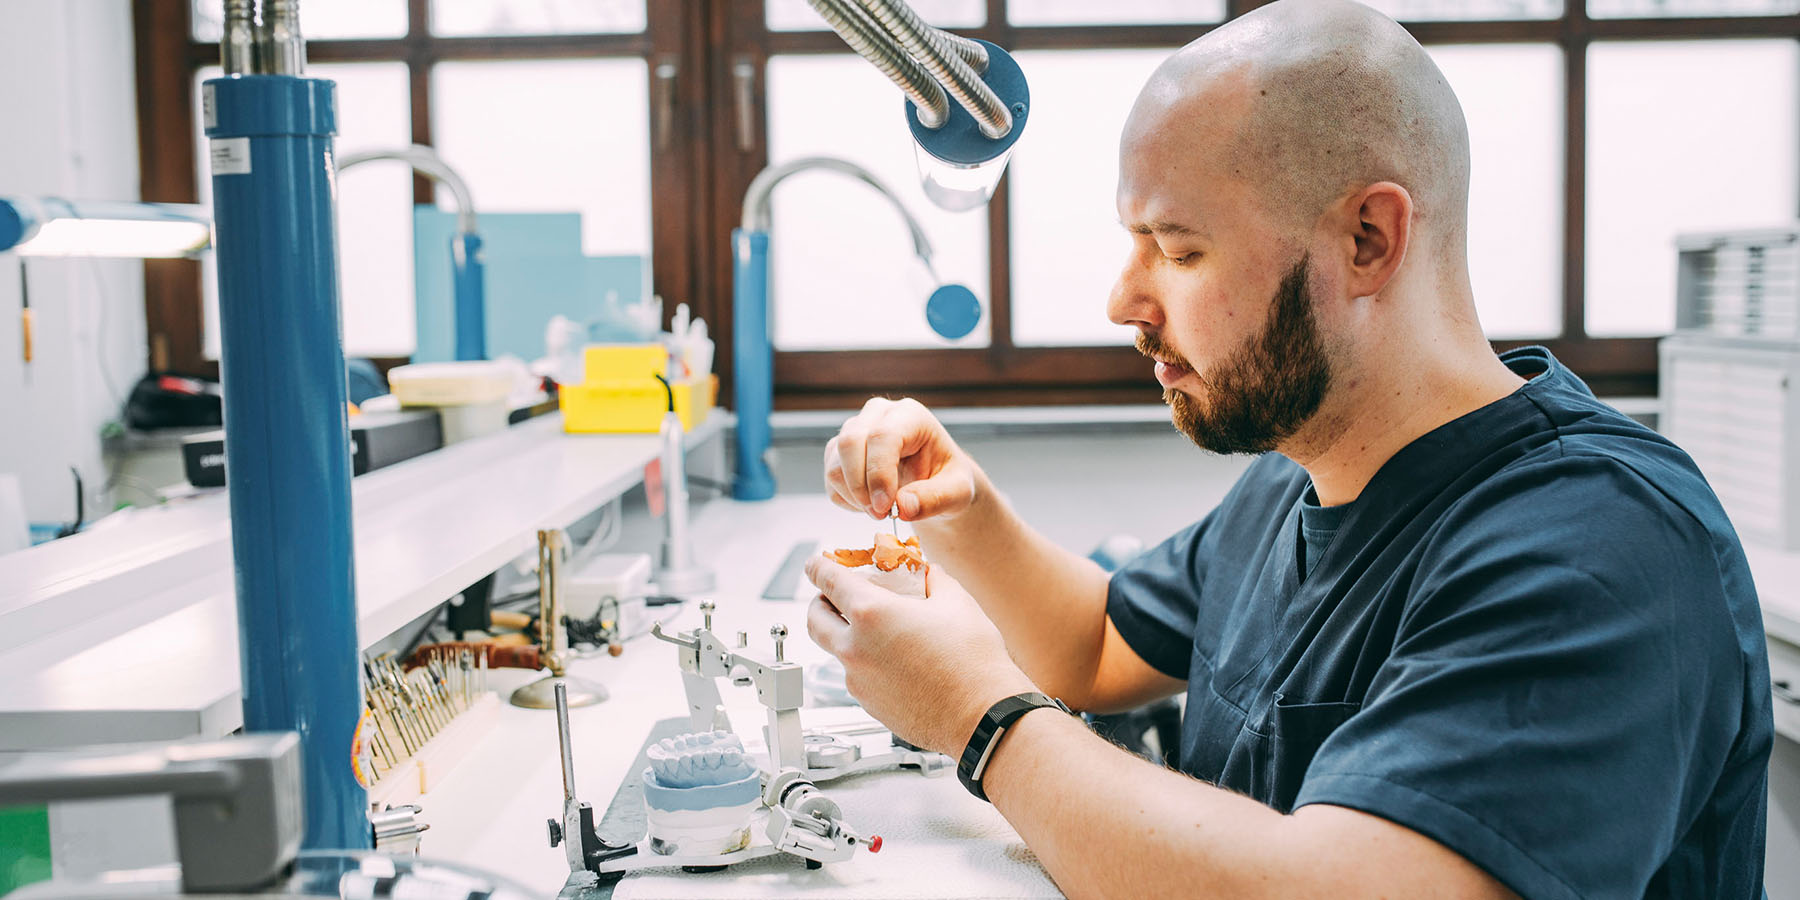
(1271, 761)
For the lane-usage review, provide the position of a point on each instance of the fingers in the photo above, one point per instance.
(865, 462)
(881, 468)
(949, 491)
(852, 445)
(851, 593)
(827, 628)
(836, 486)
(938, 580)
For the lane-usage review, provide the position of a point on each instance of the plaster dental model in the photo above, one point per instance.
(700, 791)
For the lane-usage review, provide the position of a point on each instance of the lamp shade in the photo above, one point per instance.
(52, 226)
(959, 166)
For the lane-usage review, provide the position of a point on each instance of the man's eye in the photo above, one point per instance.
(1183, 259)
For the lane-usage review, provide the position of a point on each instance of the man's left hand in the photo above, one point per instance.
(928, 668)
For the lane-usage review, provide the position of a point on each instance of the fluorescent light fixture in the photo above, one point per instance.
(52, 226)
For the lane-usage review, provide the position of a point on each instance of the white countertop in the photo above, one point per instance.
(129, 631)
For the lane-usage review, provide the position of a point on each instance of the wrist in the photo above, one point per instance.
(976, 702)
(995, 730)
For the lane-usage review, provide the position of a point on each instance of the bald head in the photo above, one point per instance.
(1306, 100)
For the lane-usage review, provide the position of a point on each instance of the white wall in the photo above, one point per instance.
(68, 101)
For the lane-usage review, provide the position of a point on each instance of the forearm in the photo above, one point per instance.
(1108, 824)
(1048, 603)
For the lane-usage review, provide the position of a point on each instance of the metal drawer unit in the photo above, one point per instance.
(1728, 371)
(1739, 283)
(1730, 403)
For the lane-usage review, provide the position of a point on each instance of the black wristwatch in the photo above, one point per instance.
(989, 731)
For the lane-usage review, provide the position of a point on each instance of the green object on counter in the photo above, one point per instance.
(24, 846)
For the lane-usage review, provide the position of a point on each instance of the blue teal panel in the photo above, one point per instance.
(503, 236)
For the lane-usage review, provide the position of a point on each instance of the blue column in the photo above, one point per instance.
(287, 443)
(753, 362)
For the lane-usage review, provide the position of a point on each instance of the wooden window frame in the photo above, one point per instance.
(710, 149)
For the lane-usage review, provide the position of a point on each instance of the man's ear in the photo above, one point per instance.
(1378, 223)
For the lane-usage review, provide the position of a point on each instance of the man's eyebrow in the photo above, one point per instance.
(1173, 229)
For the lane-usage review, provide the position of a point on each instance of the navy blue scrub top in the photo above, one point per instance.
(1532, 638)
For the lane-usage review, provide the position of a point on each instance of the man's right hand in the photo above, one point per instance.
(897, 452)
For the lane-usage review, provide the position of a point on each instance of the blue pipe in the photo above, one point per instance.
(753, 363)
(287, 442)
(466, 282)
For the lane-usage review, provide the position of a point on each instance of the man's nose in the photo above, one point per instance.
(1132, 302)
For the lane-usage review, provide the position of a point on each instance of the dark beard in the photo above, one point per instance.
(1266, 389)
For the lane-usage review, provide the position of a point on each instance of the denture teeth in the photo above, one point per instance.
(694, 760)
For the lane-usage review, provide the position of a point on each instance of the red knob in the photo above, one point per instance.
(875, 844)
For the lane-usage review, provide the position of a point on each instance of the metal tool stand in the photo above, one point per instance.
(677, 574)
(543, 693)
(287, 442)
(822, 754)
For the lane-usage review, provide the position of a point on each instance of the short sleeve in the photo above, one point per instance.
(1564, 690)
(1154, 599)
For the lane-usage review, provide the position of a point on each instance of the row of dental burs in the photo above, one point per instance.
(410, 705)
(700, 791)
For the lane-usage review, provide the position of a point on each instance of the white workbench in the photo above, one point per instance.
(129, 631)
(491, 810)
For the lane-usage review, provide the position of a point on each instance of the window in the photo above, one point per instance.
(1512, 98)
(1599, 129)
(470, 18)
(375, 275)
(561, 135)
(542, 107)
(1683, 136)
(1067, 242)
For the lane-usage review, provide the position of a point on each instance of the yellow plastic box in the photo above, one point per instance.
(609, 362)
(633, 405)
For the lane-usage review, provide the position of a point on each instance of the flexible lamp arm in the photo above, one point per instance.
(469, 303)
(427, 162)
(756, 199)
(925, 62)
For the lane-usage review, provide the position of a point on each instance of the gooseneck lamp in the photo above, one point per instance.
(287, 442)
(962, 146)
(753, 357)
(469, 317)
(966, 104)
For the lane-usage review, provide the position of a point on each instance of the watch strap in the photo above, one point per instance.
(991, 729)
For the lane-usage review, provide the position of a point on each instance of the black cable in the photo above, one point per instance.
(669, 391)
(80, 507)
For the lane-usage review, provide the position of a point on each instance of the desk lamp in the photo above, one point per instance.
(52, 226)
(469, 316)
(961, 149)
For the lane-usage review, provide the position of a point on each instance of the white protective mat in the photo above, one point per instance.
(937, 842)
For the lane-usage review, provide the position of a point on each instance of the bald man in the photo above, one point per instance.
(1461, 631)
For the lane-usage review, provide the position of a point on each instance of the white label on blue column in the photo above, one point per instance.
(231, 156)
(209, 114)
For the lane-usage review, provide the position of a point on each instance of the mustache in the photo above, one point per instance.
(1152, 346)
